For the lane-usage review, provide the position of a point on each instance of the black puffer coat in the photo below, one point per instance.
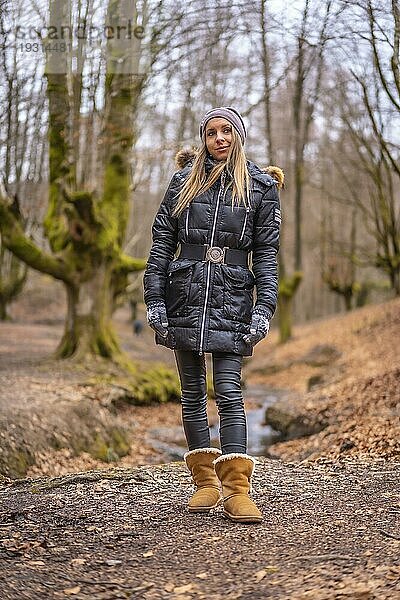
(209, 304)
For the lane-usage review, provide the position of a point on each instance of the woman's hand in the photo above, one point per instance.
(157, 317)
(259, 327)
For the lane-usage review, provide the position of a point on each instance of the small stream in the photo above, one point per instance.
(171, 440)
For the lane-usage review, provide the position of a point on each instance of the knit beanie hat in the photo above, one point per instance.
(228, 113)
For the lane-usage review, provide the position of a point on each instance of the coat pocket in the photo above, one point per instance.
(177, 288)
(238, 294)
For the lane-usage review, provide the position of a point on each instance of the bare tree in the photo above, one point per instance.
(309, 63)
(22, 155)
(370, 102)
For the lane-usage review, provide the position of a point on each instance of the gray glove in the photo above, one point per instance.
(157, 317)
(259, 327)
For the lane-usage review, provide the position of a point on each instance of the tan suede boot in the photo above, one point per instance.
(208, 489)
(235, 471)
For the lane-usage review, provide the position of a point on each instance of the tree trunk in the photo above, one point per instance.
(348, 296)
(287, 289)
(394, 276)
(285, 317)
(13, 274)
(88, 329)
(3, 310)
(362, 295)
(266, 67)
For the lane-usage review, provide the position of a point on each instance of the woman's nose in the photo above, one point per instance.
(220, 136)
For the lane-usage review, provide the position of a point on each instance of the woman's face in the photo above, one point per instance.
(218, 137)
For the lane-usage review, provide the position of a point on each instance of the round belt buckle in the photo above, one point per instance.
(215, 254)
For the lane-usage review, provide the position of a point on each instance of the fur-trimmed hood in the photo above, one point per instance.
(186, 155)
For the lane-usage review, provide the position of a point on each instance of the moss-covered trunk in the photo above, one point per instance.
(86, 220)
(287, 290)
(88, 329)
(90, 226)
(285, 318)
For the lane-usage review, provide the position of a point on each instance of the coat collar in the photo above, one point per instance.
(209, 163)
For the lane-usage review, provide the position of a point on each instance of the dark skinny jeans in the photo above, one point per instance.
(228, 396)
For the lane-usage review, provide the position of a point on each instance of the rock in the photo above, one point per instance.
(314, 380)
(347, 444)
(321, 355)
(283, 416)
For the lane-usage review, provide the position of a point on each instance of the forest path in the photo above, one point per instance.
(330, 531)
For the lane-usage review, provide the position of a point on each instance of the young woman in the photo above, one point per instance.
(218, 208)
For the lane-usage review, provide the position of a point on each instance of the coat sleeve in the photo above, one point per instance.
(164, 244)
(266, 230)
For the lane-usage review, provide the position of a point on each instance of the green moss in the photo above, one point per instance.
(15, 240)
(127, 264)
(109, 449)
(285, 317)
(287, 289)
(105, 343)
(17, 463)
(99, 448)
(82, 200)
(12, 280)
(123, 361)
(120, 442)
(157, 384)
(289, 285)
(92, 335)
(61, 170)
(112, 210)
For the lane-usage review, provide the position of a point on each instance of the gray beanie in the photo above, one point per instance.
(228, 113)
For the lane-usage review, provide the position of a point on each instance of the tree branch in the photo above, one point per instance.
(15, 240)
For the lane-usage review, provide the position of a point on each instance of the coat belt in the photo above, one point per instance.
(204, 252)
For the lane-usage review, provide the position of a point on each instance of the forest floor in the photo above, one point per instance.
(343, 375)
(330, 532)
(330, 500)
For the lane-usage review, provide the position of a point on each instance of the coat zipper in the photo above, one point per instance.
(187, 222)
(203, 322)
(244, 224)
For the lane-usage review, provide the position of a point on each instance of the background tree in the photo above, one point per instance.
(379, 152)
(366, 95)
(13, 272)
(306, 87)
(85, 225)
(281, 68)
(21, 157)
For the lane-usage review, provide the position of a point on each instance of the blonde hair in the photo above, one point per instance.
(197, 182)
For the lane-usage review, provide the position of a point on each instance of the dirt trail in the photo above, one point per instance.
(330, 531)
